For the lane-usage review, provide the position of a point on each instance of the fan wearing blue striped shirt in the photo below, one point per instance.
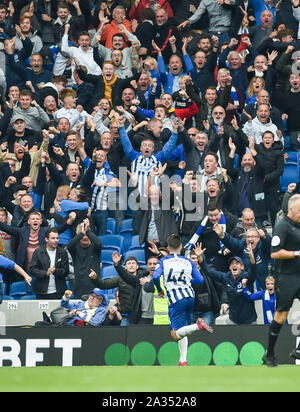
(143, 162)
(179, 273)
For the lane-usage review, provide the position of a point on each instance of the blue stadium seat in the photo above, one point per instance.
(290, 175)
(28, 297)
(135, 243)
(110, 293)
(111, 226)
(126, 235)
(5, 296)
(126, 225)
(112, 242)
(18, 289)
(293, 157)
(106, 256)
(139, 254)
(108, 272)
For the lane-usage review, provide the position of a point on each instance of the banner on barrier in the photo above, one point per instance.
(138, 345)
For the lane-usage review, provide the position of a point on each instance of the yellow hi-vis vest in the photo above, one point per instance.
(161, 306)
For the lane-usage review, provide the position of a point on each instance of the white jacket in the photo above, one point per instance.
(257, 129)
(85, 58)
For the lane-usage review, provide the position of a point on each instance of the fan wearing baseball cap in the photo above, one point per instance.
(241, 311)
(91, 312)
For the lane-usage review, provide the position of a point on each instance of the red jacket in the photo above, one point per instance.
(143, 4)
(188, 112)
(112, 29)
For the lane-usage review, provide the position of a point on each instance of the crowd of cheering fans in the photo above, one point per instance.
(177, 116)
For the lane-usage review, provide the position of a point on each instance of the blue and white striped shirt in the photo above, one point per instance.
(142, 165)
(179, 274)
(99, 199)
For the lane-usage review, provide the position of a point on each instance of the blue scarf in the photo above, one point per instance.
(191, 244)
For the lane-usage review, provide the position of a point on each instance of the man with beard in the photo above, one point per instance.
(21, 155)
(118, 48)
(164, 31)
(117, 25)
(195, 150)
(29, 238)
(220, 132)
(122, 71)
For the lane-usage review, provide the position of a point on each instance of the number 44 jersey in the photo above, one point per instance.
(179, 273)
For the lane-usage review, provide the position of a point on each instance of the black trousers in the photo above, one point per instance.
(50, 296)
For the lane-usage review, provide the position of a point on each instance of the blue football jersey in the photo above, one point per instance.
(179, 274)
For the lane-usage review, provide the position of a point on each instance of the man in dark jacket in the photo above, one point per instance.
(157, 223)
(142, 305)
(259, 243)
(6, 23)
(126, 290)
(85, 249)
(241, 310)
(50, 266)
(108, 80)
(248, 182)
(14, 57)
(30, 237)
(194, 150)
(273, 159)
(216, 252)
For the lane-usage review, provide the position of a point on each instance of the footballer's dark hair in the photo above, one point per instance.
(174, 241)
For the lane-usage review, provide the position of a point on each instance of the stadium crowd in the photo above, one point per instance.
(175, 116)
